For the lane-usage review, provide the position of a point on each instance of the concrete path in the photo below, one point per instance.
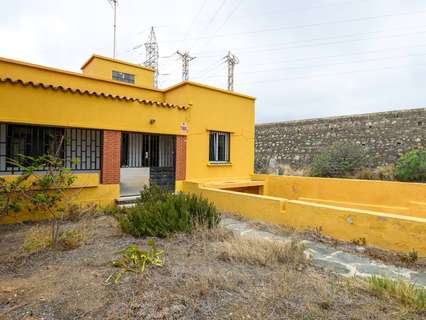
(330, 258)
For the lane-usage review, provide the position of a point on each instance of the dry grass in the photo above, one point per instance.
(261, 252)
(407, 294)
(194, 283)
(38, 239)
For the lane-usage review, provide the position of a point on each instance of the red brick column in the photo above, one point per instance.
(111, 157)
(180, 157)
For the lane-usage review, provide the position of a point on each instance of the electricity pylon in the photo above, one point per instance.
(152, 55)
(186, 58)
(231, 60)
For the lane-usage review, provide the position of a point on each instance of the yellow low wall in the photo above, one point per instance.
(85, 190)
(382, 196)
(385, 230)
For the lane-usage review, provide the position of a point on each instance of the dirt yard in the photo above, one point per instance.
(199, 280)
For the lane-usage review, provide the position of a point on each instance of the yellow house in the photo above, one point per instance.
(124, 133)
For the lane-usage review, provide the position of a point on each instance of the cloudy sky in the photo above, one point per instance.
(301, 59)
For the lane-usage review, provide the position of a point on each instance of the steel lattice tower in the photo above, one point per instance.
(186, 58)
(231, 60)
(152, 55)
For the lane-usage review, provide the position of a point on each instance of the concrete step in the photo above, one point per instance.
(127, 201)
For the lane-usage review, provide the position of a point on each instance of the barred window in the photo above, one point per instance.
(219, 146)
(147, 150)
(69, 144)
(123, 77)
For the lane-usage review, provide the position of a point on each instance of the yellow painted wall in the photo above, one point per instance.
(216, 110)
(384, 230)
(388, 231)
(251, 206)
(383, 196)
(85, 190)
(210, 109)
(47, 107)
(29, 72)
(102, 67)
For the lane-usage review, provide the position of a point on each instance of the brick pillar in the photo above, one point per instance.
(180, 157)
(111, 157)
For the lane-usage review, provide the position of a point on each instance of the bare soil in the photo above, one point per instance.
(194, 283)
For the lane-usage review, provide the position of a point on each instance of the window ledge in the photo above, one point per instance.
(219, 164)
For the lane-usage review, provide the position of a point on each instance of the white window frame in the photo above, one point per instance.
(227, 141)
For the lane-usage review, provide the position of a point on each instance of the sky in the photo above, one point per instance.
(300, 59)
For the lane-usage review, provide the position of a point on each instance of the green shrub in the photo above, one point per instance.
(411, 166)
(159, 213)
(338, 160)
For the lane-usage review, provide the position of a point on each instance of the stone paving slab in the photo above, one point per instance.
(328, 257)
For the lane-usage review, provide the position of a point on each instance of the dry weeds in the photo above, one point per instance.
(261, 252)
(195, 282)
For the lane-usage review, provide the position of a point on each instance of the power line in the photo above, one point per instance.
(273, 46)
(327, 75)
(192, 22)
(231, 13)
(327, 65)
(213, 16)
(330, 43)
(338, 55)
(308, 25)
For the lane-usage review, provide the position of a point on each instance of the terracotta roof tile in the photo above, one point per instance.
(92, 93)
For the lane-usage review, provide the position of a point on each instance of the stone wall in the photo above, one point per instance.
(384, 135)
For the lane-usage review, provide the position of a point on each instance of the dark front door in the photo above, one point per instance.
(146, 159)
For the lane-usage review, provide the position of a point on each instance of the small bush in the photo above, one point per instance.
(159, 213)
(379, 173)
(407, 294)
(411, 166)
(70, 239)
(136, 260)
(338, 160)
(261, 252)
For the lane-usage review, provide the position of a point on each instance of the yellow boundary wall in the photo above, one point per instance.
(86, 190)
(384, 230)
(383, 196)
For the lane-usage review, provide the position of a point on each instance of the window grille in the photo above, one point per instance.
(82, 145)
(219, 143)
(123, 77)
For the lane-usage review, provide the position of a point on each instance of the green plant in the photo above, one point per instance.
(411, 166)
(38, 192)
(407, 294)
(338, 160)
(159, 213)
(136, 260)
